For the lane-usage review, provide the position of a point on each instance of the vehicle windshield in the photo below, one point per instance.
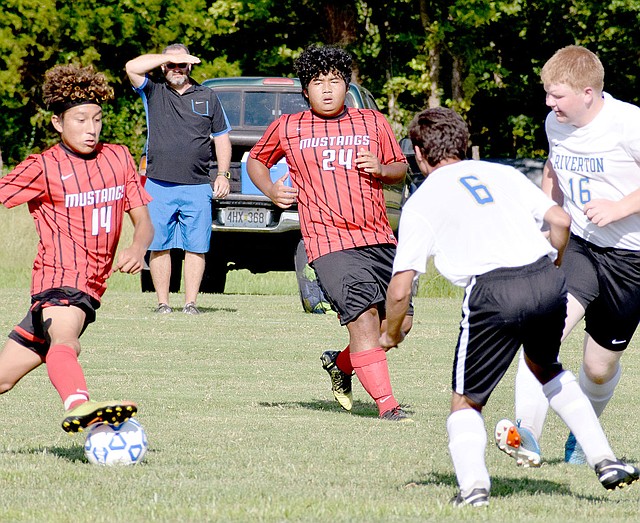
(260, 108)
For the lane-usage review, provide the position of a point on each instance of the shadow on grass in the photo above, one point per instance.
(73, 453)
(361, 409)
(177, 311)
(503, 487)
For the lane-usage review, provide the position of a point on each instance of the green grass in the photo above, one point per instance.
(242, 425)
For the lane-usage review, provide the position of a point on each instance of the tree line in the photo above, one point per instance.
(480, 57)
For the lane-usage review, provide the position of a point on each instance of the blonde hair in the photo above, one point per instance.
(574, 66)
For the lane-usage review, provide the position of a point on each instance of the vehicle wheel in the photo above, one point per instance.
(146, 282)
(311, 294)
(214, 278)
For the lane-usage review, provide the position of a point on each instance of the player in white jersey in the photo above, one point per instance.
(482, 224)
(594, 171)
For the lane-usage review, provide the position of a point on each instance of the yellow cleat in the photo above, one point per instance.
(91, 412)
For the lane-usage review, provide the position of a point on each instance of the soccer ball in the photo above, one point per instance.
(125, 444)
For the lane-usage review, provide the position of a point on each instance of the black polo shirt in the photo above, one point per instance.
(179, 131)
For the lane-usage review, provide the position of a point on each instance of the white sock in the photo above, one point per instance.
(599, 394)
(531, 403)
(467, 445)
(573, 407)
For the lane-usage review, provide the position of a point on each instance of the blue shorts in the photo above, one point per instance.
(181, 216)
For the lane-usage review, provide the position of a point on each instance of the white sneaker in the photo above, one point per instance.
(518, 442)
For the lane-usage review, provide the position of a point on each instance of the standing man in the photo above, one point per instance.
(481, 222)
(339, 158)
(77, 192)
(594, 171)
(183, 120)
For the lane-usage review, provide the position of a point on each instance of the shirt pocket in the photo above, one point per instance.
(200, 107)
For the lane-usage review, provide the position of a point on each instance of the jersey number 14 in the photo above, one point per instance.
(101, 219)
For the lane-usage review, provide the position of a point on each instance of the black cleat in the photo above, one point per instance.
(340, 381)
(616, 474)
(396, 414)
(90, 412)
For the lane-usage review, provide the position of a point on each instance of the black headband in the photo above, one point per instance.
(60, 107)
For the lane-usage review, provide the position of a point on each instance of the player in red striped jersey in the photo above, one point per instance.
(338, 160)
(77, 193)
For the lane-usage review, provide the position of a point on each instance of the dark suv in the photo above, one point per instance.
(249, 231)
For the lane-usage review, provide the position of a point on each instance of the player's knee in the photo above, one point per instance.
(6, 385)
(598, 372)
(71, 343)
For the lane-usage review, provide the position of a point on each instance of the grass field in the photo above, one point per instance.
(243, 427)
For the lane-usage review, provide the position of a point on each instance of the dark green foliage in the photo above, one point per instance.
(487, 55)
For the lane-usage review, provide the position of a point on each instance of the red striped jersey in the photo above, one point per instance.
(340, 206)
(77, 203)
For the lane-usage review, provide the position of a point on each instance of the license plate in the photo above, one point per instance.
(242, 217)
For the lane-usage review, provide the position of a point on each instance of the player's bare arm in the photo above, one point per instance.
(279, 193)
(559, 224)
(138, 67)
(549, 184)
(390, 173)
(398, 300)
(131, 259)
(222, 146)
(603, 212)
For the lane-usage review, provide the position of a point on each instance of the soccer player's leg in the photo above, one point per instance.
(467, 445)
(16, 361)
(369, 361)
(65, 314)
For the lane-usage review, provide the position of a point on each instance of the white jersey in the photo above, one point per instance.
(473, 217)
(599, 160)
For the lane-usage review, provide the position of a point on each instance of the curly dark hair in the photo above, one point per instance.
(68, 85)
(441, 134)
(316, 60)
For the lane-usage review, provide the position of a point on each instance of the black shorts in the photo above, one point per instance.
(606, 282)
(503, 310)
(31, 331)
(354, 280)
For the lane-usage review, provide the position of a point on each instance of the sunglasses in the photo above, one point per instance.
(171, 65)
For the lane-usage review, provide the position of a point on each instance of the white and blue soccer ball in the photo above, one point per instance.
(125, 444)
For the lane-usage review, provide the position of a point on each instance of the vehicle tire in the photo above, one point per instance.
(146, 282)
(311, 295)
(214, 278)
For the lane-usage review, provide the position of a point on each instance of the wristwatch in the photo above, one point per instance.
(226, 174)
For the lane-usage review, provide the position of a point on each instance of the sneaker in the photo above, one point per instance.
(478, 497)
(163, 308)
(190, 308)
(90, 412)
(573, 452)
(616, 474)
(518, 442)
(396, 414)
(340, 381)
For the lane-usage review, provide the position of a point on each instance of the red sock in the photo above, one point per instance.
(343, 361)
(373, 372)
(66, 375)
